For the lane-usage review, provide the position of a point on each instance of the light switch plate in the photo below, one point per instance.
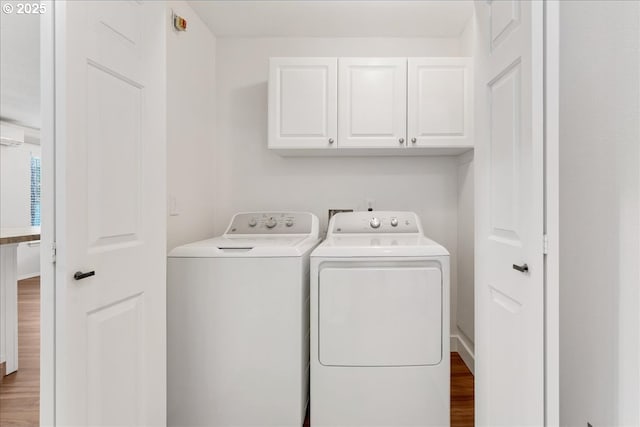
(173, 206)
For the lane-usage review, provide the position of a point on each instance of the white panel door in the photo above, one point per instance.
(303, 106)
(372, 102)
(440, 101)
(110, 213)
(509, 165)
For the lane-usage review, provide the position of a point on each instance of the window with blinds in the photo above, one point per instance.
(35, 191)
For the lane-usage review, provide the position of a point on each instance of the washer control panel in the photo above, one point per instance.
(271, 223)
(375, 222)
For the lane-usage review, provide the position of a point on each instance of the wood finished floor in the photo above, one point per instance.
(462, 397)
(20, 391)
(462, 394)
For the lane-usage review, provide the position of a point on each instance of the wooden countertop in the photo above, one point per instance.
(9, 235)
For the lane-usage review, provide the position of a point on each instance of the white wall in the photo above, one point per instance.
(599, 213)
(15, 201)
(15, 183)
(191, 127)
(465, 308)
(466, 225)
(20, 68)
(20, 102)
(251, 177)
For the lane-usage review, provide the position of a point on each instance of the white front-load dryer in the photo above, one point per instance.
(379, 324)
(238, 324)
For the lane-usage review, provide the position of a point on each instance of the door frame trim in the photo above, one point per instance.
(47, 350)
(552, 212)
(47, 247)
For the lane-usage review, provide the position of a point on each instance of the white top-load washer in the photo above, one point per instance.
(379, 324)
(238, 323)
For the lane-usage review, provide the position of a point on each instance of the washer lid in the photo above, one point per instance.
(258, 234)
(375, 245)
(246, 247)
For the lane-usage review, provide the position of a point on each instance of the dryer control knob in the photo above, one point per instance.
(394, 222)
(270, 223)
(253, 222)
(289, 223)
(374, 223)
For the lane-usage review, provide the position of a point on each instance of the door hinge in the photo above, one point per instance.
(545, 244)
(53, 252)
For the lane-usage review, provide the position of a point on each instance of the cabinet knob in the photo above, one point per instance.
(413, 140)
(401, 140)
(330, 140)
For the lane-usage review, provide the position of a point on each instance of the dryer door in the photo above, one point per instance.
(380, 316)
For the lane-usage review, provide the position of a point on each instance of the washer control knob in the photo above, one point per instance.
(253, 222)
(394, 222)
(374, 223)
(289, 223)
(270, 223)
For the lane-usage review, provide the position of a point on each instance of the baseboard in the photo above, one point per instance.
(459, 345)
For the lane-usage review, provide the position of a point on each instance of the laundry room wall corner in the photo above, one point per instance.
(464, 327)
(191, 127)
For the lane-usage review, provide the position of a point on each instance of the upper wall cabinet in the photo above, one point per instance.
(370, 106)
(303, 103)
(439, 102)
(372, 102)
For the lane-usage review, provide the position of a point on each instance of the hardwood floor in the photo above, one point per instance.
(462, 394)
(20, 391)
(462, 397)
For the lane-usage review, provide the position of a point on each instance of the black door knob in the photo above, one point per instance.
(79, 275)
(524, 268)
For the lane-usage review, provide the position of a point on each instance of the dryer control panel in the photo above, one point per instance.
(375, 222)
(271, 223)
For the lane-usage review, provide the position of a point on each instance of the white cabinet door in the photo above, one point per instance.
(372, 102)
(302, 102)
(439, 102)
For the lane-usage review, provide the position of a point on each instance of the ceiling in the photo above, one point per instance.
(334, 18)
(20, 69)
(20, 34)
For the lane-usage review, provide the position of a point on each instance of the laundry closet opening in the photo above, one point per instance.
(307, 106)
